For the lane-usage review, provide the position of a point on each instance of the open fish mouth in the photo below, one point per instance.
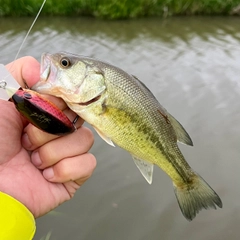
(47, 73)
(45, 66)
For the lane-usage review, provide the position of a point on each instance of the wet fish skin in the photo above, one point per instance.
(124, 111)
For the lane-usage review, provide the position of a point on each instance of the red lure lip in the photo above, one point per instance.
(42, 113)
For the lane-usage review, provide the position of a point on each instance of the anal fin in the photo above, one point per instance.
(146, 168)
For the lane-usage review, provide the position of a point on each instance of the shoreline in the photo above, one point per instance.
(113, 10)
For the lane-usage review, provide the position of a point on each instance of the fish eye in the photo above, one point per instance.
(65, 62)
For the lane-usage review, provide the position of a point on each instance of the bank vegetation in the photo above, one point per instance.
(119, 9)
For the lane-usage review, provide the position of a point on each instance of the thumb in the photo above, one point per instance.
(25, 70)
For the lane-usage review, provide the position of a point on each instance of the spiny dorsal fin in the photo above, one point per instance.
(182, 135)
(146, 168)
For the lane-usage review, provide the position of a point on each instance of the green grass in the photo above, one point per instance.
(118, 9)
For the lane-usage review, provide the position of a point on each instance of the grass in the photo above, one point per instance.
(119, 9)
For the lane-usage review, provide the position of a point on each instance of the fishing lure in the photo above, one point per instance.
(42, 113)
(37, 110)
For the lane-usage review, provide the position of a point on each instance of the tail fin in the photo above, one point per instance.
(196, 196)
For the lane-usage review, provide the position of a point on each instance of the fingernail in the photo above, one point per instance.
(26, 142)
(48, 173)
(36, 160)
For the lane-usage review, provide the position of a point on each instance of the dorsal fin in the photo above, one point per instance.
(182, 135)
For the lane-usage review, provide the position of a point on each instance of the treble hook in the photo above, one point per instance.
(8, 85)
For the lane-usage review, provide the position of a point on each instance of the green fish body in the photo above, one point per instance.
(124, 112)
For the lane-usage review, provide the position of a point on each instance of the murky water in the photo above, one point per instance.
(192, 65)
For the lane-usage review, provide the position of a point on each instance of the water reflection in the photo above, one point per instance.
(192, 66)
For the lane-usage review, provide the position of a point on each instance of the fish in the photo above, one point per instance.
(42, 113)
(125, 112)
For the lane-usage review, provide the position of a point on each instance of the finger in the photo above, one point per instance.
(71, 145)
(25, 70)
(77, 169)
(34, 138)
(58, 102)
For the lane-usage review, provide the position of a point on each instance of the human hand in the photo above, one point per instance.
(36, 168)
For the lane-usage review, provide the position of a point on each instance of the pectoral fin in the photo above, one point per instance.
(104, 137)
(182, 135)
(145, 168)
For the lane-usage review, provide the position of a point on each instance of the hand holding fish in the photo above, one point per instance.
(39, 169)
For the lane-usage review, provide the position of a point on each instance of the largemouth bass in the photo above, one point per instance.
(124, 112)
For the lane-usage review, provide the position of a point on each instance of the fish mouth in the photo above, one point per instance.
(45, 70)
(45, 66)
(90, 101)
(45, 73)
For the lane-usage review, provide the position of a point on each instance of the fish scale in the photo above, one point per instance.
(162, 130)
(125, 112)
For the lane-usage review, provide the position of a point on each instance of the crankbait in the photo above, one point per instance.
(42, 113)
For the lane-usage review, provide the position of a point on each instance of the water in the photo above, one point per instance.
(192, 65)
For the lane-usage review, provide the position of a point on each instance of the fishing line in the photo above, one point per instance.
(24, 40)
